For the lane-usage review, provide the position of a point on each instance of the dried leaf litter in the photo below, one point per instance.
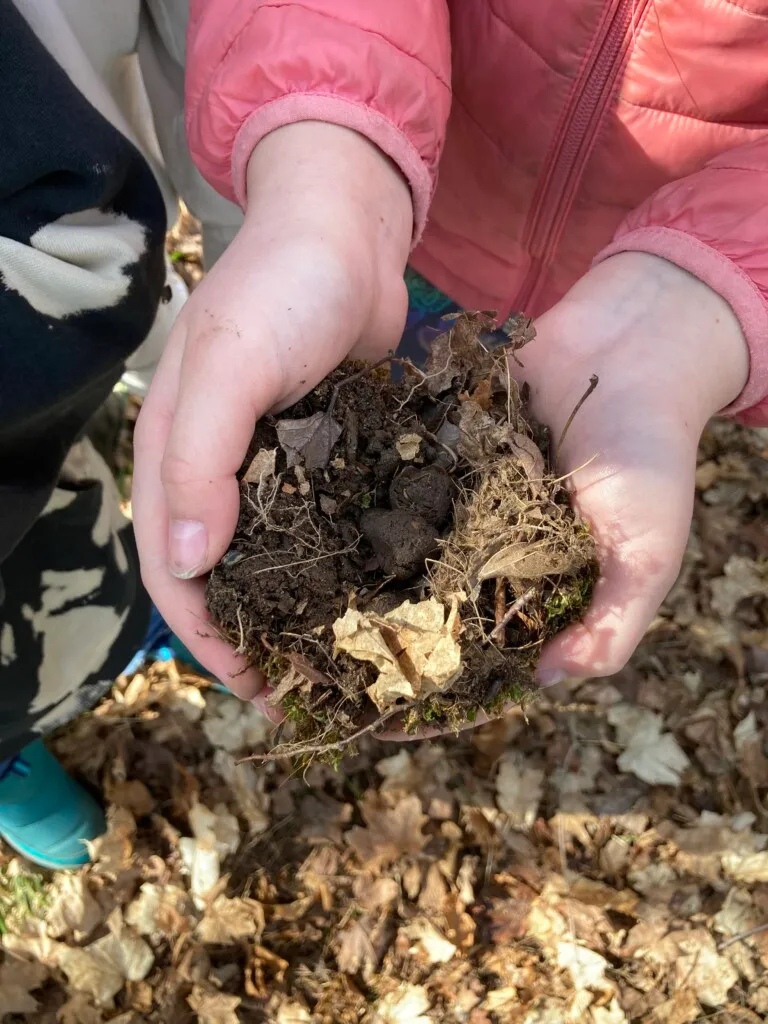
(403, 547)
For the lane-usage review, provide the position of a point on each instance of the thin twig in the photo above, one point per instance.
(513, 609)
(593, 382)
(757, 930)
(296, 750)
(500, 605)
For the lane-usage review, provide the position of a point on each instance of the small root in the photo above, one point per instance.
(510, 613)
(300, 749)
(240, 649)
(594, 380)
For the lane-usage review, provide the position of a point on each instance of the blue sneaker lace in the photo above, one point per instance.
(15, 765)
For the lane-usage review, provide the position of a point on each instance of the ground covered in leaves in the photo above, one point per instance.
(604, 861)
(403, 547)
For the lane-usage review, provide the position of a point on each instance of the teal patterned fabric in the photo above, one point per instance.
(427, 306)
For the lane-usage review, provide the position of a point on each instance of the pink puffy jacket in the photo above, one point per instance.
(564, 130)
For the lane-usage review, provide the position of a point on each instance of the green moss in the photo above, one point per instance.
(512, 693)
(431, 710)
(366, 500)
(22, 894)
(569, 600)
(295, 711)
(275, 666)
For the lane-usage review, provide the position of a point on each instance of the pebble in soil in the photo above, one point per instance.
(403, 547)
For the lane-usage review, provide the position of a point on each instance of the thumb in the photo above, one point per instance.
(218, 402)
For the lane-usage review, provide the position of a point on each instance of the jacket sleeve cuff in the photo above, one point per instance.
(728, 280)
(335, 110)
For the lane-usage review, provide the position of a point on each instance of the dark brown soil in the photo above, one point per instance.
(370, 493)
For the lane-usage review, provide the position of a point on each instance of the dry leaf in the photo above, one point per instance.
(160, 911)
(291, 1012)
(218, 826)
(231, 919)
(737, 915)
(33, 943)
(375, 893)
(529, 562)
(202, 864)
(248, 790)
(519, 789)
(500, 999)
(408, 446)
(213, 1007)
(699, 966)
(434, 945)
(112, 853)
(748, 868)
(102, 968)
(234, 725)
(610, 1014)
(651, 755)
(741, 579)
(413, 647)
(73, 910)
(361, 945)
(309, 440)
(406, 1005)
(290, 681)
(478, 433)
(262, 468)
(131, 794)
(79, 1009)
(587, 968)
(18, 979)
(682, 1008)
(391, 831)
(216, 834)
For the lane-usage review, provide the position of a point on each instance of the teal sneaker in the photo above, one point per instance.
(44, 814)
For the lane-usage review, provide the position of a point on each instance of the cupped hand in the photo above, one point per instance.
(314, 275)
(669, 353)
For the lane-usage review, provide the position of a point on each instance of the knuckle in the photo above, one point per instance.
(175, 469)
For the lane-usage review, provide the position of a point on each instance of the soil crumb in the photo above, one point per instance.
(404, 548)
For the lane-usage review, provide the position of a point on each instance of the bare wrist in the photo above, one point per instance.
(645, 320)
(315, 176)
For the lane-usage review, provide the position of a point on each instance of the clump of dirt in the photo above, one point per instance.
(404, 548)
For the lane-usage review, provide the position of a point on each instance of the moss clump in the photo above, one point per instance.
(569, 600)
(23, 894)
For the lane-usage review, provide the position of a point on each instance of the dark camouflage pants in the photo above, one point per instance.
(74, 609)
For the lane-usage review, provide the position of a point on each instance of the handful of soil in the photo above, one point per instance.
(403, 547)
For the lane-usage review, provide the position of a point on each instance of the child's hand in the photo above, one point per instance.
(315, 273)
(669, 353)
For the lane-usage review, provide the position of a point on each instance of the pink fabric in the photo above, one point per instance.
(334, 110)
(574, 125)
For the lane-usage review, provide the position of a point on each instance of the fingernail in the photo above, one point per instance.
(550, 676)
(187, 547)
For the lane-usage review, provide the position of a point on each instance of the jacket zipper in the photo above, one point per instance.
(589, 100)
